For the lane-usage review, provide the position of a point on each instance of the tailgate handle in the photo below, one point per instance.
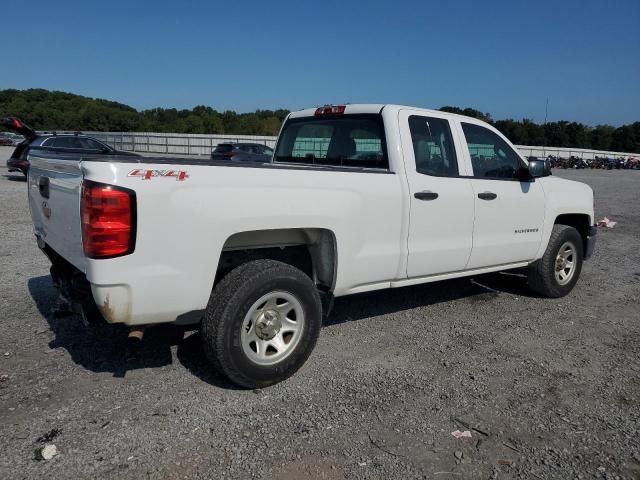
(43, 186)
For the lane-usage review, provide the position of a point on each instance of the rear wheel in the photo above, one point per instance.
(557, 272)
(262, 322)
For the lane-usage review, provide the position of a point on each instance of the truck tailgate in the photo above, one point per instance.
(54, 200)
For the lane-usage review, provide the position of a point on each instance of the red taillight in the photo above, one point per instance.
(108, 220)
(330, 110)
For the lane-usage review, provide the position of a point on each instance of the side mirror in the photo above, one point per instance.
(539, 168)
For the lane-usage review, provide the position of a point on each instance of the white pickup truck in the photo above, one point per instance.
(356, 198)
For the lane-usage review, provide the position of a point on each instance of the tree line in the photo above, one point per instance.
(47, 110)
(52, 110)
(625, 138)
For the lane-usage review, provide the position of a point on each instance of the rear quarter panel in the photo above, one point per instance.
(183, 225)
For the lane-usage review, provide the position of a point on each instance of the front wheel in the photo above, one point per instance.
(262, 322)
(556, 273)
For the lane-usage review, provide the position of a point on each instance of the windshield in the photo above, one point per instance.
(345, 141)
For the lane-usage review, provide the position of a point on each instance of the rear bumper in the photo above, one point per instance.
(72, 285)
(591, 241)
(134, 303)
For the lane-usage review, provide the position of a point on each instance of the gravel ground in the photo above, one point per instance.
(550, 386)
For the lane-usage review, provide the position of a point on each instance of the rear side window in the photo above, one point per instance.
(433, 146)
(345, 141)
(90, 144)
(491, 156)
(64, 142)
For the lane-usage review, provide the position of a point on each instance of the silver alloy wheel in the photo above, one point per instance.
(565, 265)
(272, 328)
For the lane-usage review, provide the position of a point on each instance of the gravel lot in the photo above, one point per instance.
(552, 386)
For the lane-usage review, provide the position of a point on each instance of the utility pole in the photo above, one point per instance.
(544, 130)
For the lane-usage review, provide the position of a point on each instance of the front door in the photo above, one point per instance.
(441, 212)
(508, 212)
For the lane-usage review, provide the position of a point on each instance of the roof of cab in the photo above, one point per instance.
(350, 108)
(355, 108)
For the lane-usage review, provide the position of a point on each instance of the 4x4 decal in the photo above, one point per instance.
(179, 175)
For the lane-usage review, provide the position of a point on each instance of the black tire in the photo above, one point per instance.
(228, 305)
(541, 273)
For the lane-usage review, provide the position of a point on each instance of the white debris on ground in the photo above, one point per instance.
(606, 223)
(47, 452)
(459, 434)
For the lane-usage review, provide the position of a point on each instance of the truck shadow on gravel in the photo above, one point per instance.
(16, 178)
(105, 348)
(481, 288)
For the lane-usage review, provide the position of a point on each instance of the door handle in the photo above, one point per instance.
(487, 196)
(426, 195)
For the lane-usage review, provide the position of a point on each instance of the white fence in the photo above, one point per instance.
(196, 144)
(543, 152)
(174, 143)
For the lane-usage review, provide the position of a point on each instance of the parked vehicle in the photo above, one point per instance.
(55, 143)
(6, 139)
(357, 198)
(242, 152)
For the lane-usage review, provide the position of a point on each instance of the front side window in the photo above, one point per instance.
(345, 141)
(491, 156)
(433, 146)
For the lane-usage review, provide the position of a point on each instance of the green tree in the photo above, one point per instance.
(52, 110)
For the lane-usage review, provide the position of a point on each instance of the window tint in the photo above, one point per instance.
(90, 144)
(65, 142)
(348, 141)
(223, 148)
(433, 146)
(267, 151)
(491, 157)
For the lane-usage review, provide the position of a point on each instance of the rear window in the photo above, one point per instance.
(223, 148)
(345, 141)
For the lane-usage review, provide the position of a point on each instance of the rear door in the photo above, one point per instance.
(441, 199)
(508, 212)
(245, 153)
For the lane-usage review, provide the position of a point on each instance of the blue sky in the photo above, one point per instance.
(502, 57)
